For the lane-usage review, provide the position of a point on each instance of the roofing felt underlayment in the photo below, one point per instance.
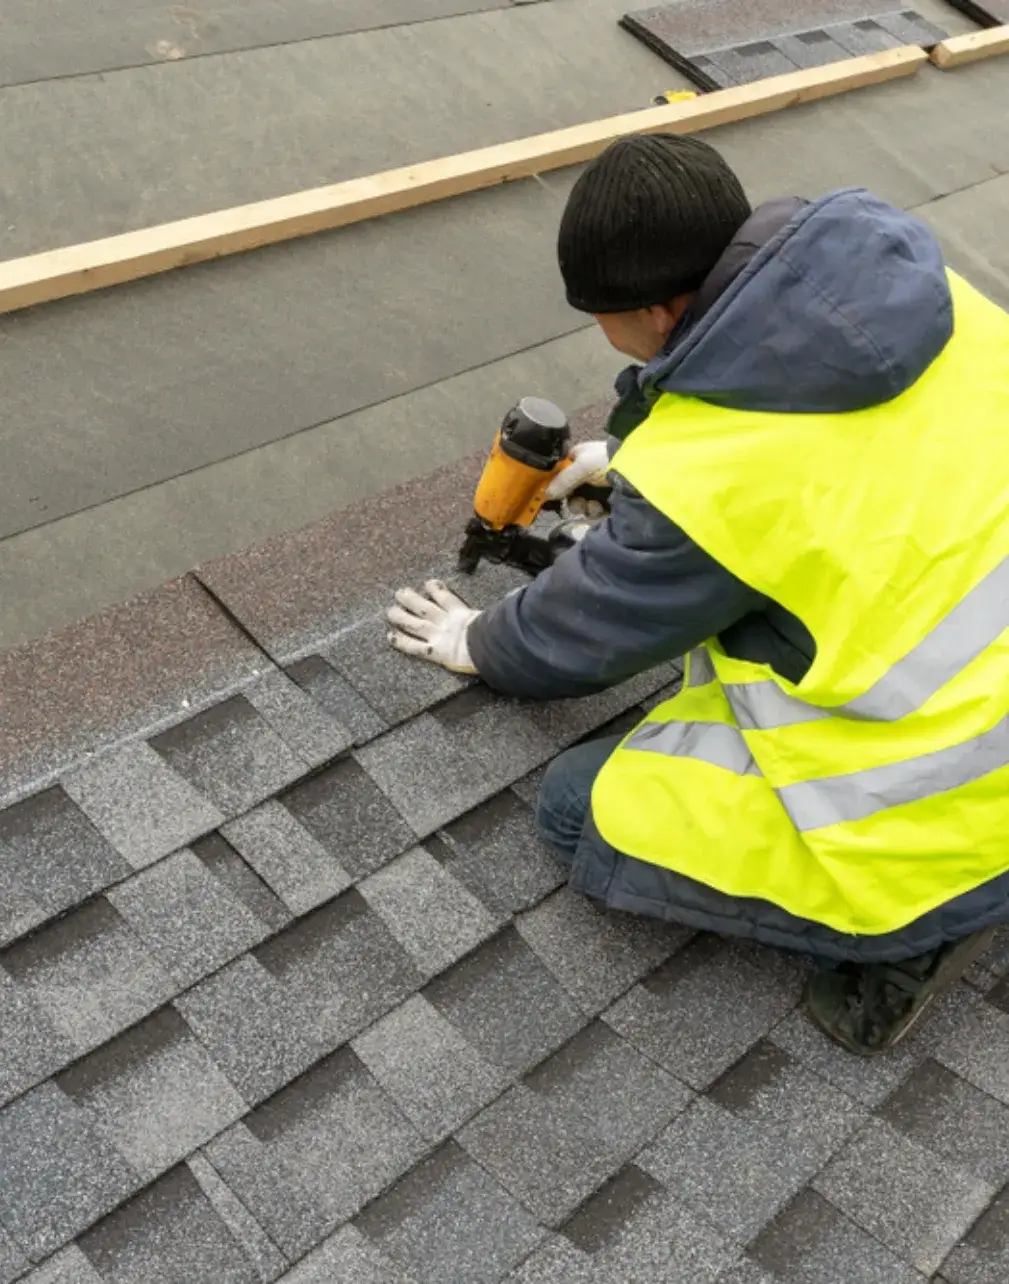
(290, 988)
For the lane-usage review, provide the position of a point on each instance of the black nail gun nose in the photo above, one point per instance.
(529, 451)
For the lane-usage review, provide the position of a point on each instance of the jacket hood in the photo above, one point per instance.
(845, 307)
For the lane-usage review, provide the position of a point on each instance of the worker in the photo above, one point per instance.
(809, 465)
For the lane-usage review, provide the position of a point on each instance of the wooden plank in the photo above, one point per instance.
(957, 50)
(95, 265)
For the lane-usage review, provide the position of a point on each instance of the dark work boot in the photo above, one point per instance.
(868, 1008)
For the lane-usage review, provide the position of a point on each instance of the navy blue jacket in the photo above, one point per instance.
(824, 306)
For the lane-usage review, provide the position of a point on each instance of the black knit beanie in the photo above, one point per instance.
(647, 221)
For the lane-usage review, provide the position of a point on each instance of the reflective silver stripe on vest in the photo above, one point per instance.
(700, 670)
(838, 799)
(835, 800)
(712, 742)
(762, 706)
(974, 624)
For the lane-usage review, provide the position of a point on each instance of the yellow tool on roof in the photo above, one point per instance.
(674, 96)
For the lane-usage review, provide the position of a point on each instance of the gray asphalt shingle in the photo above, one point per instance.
(429, 912)
(950, 1116)
(31, 1048)
(351, 817)
(256, 1030)
(909, 1198)
(983, 1255)
(573, 1122)
(810, 1242)
(595, 954)
(635, 1232)
(496, 852)
(311, 731)
(335, 696)
(230, 754)
(342, 965)
(58, 1175)
(293, 863)
(317, 1152)
(707, 1005)
(51, 858)
(69, 1266)
(154, 1093)
(247, 1233)
(428, 1068)
(242, 881)
(448, 1220)
(90, 974)
(169, 1233)
(346, 1257)
(482, 994)
(187, 917)
(144, 808)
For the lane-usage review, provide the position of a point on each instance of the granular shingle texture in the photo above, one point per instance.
(291, 990)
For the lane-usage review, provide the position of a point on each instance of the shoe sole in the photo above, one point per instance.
(948, 973)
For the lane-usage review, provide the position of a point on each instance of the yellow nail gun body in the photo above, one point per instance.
(529, 451)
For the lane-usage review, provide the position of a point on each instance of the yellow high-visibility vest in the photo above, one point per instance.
(877, 788)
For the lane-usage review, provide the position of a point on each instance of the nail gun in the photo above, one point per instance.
(529, 451)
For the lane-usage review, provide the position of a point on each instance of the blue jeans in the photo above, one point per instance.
(564, 819)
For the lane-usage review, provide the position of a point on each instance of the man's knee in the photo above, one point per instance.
(565, 796)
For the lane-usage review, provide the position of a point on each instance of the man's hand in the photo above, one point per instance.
(433, 626)
(590, 464)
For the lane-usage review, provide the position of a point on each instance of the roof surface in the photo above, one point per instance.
(290, 989)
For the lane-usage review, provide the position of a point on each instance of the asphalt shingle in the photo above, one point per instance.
(311, 731)
(346, 1258)
(448, 1220)
(950, 1116)
(13, 1263)
(293, 863)
(247, 1233)
(556, 1262)
(983, 1255)
(496, 852)
(256, 1030)
(31, 1048)
(343, 965)
(978, 1049)
(314, 1154)
(429, 912)
(168, 1234)
(187, 917)
(335, 696)
(69, 1266)
(596, 954)
(154, 1093)
(801, 1119)
(395, 686)
(58, 1175)
(573, 1122)
(481, 995)
(810, 1242)
(51, 858)
(90, 974)
(432, 1073)
(909, 1198)
(144, 808)
(707, 1005)
(231, 754)
(722, 1167)
(242, 881)
(635, 1232)
(350, 817)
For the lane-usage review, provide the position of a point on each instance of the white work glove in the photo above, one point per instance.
(433, 626)
(589, 467)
